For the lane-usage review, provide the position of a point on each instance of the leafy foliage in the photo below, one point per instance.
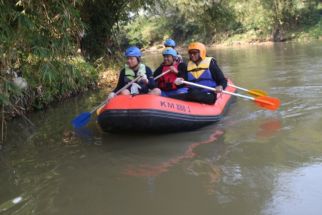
(103, 19)
(38, 40)
(212, 21)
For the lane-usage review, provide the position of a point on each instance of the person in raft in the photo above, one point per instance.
(133, 68)
(171, 69)
(203, 70)
(170, 43)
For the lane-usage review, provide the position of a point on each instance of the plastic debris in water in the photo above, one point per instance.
(17, 200)
(10, 203)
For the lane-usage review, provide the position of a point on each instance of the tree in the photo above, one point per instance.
(102, 19)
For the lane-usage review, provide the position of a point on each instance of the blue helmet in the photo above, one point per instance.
(170, 51)
(133, 51)
(170, 43)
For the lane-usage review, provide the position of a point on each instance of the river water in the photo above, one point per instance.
(254, 161)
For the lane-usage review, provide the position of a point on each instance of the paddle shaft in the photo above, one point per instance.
(213, 89)
(240, 88)
(162, 74)
(126, 86)
(253, 92)
(137, 78)
(117, 92)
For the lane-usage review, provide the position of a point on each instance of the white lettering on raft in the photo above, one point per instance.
(175, 106)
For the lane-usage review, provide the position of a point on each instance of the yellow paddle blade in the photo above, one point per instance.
(269, 103)
(257, 92)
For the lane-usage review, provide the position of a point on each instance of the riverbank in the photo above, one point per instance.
(108, 79)
(251, 38)
(227, 44)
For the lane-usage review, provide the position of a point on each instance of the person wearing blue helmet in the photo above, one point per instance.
(132, 69)
(171, 69)
(170, 43)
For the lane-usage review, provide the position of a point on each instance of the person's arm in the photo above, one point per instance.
(217, 74)
(182, 75)
(151, 83)
(182, 68)
(120, 82)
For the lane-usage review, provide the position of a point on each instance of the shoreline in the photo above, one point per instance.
(109, 77)
(238, 44)
(226, 45)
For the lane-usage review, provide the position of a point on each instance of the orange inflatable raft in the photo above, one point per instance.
(150, 113)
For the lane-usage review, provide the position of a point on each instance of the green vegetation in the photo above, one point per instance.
(57, 47)
(223, 21)
(38, 42)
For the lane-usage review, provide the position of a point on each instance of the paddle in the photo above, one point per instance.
(253, 92)
(157, 77)
(162, 74)
(83, 118)
(266, 102)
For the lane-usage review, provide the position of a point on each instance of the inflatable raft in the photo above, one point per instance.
(150, 113)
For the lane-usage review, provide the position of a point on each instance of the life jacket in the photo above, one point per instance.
(166, 82)
(130, 74)
(200, 73)
(179, 59)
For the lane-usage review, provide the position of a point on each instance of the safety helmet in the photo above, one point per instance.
(170, 51)
(133, 51)
(198, 46)
(170, 43)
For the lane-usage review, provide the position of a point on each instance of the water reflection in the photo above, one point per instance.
(135, 164)
(269, 127)
(193, 164)
(155, 170)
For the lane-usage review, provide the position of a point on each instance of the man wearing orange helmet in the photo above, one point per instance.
(205, 71)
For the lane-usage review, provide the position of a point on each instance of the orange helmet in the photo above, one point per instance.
(198, 46)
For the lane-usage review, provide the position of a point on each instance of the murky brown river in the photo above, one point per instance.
(254, 161)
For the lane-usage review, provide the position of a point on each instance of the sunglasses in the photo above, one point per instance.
(193, 52)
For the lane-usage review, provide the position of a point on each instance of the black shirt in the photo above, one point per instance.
(217, 74)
